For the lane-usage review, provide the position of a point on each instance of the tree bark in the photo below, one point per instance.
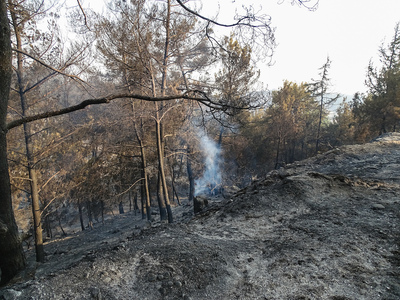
(59, 223)
(12, 258)
(90, 214)
(190, 174)
(81, 215)
(159, 134)
(160, 153)
(36, 212)
(160, 199)
(145, 183)
(121, 208)
(136, 207)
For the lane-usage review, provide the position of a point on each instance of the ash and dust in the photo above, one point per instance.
(324, 228)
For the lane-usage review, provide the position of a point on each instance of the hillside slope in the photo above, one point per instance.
(323, 228)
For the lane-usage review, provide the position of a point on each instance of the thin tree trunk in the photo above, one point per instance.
(145, 183)
(190, 174)
(160, 144)
(136, 207)
(121, 208)
(36, 211)
(28, 145)
(162, 173)
(130, 200)
(47, 222)
(81, 215)
(59, 223)
(90, 215)
(277, 153)
(319, 124)
(142, 198)
(160, 199)
(174, 192)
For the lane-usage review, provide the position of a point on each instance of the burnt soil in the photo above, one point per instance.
(323, 228)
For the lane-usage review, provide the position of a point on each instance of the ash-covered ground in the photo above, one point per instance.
(323, 228)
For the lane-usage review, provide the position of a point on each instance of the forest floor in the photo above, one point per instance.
(324, 228)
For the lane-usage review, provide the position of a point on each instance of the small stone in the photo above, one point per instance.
(95, 293)
(152, 277)
(167, 274)
(377, 206)
(107, 279)
(10, 294)
(160, 277)
(177, 283)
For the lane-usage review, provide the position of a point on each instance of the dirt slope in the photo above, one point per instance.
(323, 228)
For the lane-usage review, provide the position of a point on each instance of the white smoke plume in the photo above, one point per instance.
(210, 182)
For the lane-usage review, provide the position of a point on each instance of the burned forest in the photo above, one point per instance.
(143, 157)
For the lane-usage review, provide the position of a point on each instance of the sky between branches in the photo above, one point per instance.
(349, 31)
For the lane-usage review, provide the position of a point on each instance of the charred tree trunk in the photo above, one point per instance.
(81, 215)
(135, 202)
(12, 258)
(321, 107)
(145, 182)
(190, 174)
(160, 153)
(277, 153)
(159, 129)
(90, 214)
(174, 192)
(142, 199)
(130, 200)
(59, 223)
(121, 208)
(47, 226)
(160, 199)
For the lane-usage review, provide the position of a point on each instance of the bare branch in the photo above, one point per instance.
(239, 22)
(129, 187)
(311, 5)
(48, 66)
(54, 175)
(194, 95)
(84, 14)
(251, 28)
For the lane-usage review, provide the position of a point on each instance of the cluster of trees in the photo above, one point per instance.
(165, 78)
(153, 59)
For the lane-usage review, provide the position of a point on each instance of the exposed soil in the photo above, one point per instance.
(324, 228)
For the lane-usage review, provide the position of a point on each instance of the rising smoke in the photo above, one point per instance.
(210, 183)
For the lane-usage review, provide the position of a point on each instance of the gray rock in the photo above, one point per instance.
(10, 294)
(95, 293)
(377, 206)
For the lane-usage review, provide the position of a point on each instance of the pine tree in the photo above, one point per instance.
(382, 105)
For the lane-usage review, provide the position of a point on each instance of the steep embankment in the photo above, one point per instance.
(323, 228)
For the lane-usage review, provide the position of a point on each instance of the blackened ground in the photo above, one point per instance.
(324, 228)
